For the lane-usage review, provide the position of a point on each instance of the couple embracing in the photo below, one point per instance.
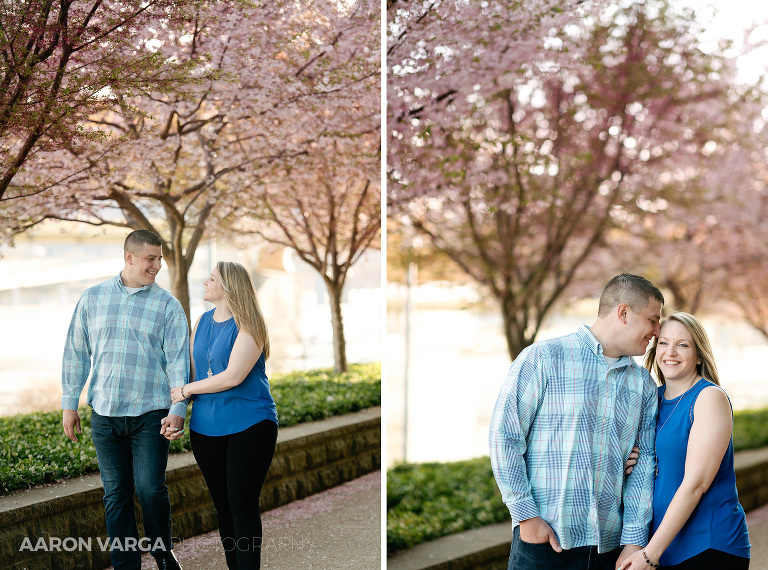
(569, 413)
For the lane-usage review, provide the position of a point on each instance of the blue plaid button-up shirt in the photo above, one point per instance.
(562, 428)
(134, 346)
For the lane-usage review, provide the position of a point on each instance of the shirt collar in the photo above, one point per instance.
(121, 285)
(589, 340)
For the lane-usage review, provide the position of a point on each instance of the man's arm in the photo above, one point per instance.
(76, 365)
(516, 407)
(176, 349)
(638, 492)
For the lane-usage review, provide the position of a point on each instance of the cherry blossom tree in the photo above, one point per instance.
(60, 62)
(273, 79)
(743, 231)
(710, 255)
(327, 208)
(521, 172)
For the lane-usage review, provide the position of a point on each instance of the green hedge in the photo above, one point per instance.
(750, 429)
(34, 450)
(429, 500)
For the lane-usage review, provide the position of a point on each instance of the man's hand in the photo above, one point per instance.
(628, 551)
(172, 427)
(536, 531)
(71, 423)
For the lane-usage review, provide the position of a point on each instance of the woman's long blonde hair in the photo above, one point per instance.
(706, 368)
(241, 298)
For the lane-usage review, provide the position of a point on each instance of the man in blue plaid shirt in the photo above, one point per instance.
(566, 419)
(132, 338)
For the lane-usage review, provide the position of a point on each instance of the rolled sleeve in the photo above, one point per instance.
(638, 492)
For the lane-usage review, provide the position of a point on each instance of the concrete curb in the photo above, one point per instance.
(488, 547)
(309, 458)
(485, 547)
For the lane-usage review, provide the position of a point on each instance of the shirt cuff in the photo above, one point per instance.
(523, 510)
(69, 402)
(179, 409)
(634, 534)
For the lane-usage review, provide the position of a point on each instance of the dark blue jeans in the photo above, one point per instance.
(526, 556)
(133, 455)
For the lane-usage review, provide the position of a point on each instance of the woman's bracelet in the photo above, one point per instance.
(182, 391)
(647, 560)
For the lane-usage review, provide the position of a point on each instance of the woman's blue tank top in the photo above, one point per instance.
(718, 521)
(238, 408)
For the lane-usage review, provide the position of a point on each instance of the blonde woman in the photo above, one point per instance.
(233, 429)
(697, 519)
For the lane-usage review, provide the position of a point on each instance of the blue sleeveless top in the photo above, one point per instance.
(718, 521)
(238, 408)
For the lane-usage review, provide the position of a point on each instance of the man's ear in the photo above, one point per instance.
(128, 256)
(621, 312)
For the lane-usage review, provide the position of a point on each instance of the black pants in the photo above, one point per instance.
(234, 467)
(713, 560)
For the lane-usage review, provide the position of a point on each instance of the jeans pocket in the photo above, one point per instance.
(535, 543)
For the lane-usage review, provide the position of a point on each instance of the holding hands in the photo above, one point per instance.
(172, 427)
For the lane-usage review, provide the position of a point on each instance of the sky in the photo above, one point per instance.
(728, 19)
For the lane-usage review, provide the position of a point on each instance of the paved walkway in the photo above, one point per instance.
(338, 528)
(757, 522)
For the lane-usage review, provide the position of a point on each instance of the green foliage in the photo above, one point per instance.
(311, 395)
(35, 451)
(429, 500)
(750, 429)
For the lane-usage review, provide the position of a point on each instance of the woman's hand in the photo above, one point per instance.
(176, 396)
(635, 562)
(631, 460)
(172, 427)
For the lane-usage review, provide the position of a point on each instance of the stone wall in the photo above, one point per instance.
(309, 458)
(752, 477)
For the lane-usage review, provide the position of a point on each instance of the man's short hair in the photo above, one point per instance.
(139, 238)
(629, 289)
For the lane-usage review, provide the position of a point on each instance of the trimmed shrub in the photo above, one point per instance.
(750, 429)
(428, 500)
(35, 451)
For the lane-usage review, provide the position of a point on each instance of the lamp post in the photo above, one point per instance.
(410, 282)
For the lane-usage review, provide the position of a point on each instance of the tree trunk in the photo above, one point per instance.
(515, 325)
(339, 344)
(179, 271)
